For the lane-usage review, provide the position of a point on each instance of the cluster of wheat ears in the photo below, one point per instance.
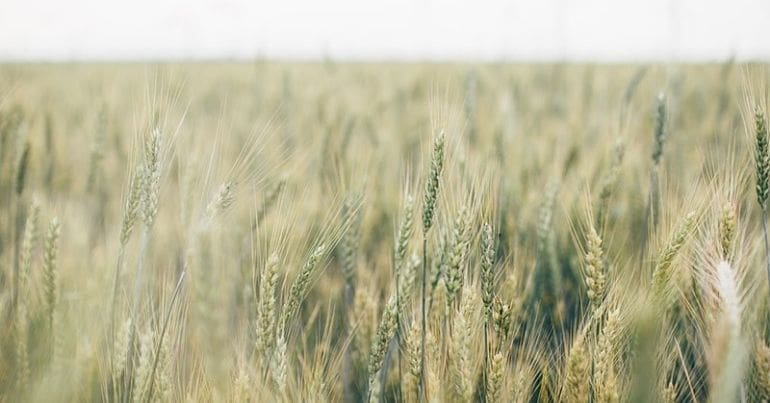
(431, 233)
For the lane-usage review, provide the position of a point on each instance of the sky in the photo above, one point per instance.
(408, 30)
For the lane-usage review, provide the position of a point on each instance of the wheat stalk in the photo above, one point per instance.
(387, 327)
(428, 211)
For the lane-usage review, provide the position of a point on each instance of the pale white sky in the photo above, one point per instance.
(586, 30)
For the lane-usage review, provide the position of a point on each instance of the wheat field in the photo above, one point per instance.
(314, 232)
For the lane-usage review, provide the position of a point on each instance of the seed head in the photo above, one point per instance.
(49, 266)
(432, 182)
(762, 158)
(21, 170)
(595, 276)
(662, 274)
(487, 269)
(576, 380)
(266, 307)
(151, 178)
(349, 244)
(727, 223)
(302, 283)
(660, 129)
(222, 201)
(457, 254)
(404, 232)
